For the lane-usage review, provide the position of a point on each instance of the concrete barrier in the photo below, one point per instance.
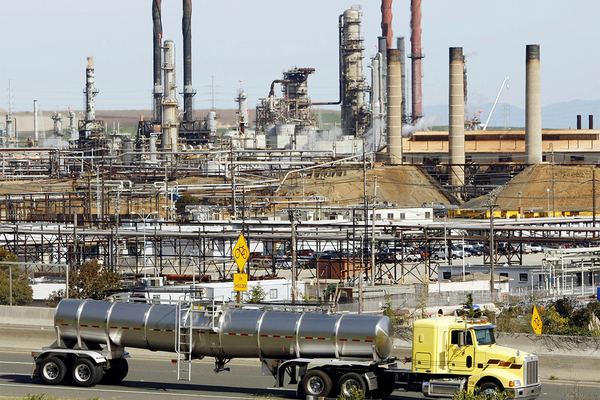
(28, 316)
(577, 346)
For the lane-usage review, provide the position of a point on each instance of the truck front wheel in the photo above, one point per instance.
(349, 381)
(52, 370)
(316, 383)
(488, 389)
(85, 373)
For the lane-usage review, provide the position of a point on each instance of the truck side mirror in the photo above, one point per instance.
(461, 340)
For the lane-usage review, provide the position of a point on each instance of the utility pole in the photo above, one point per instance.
(373, 235)
(492, 252)
(366, 215)
(553, 190)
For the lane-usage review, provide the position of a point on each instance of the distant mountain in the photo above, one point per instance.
(554, 116)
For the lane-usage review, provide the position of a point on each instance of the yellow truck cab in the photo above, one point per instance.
(460, 353)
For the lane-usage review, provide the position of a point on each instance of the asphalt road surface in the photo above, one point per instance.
(156, 378)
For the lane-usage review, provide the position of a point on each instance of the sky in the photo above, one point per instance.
(44, 46)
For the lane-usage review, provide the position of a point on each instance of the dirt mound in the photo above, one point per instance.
(534, 190)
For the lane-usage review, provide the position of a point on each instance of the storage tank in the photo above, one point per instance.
(247, 332)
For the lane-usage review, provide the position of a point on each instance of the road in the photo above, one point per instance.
(155, 377)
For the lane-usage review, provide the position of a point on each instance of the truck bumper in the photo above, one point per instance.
(525, 393)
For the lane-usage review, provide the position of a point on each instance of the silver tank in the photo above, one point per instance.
(235, 333)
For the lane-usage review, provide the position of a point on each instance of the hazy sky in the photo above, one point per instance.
(44, 45)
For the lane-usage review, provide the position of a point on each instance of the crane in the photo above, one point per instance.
(505, 82)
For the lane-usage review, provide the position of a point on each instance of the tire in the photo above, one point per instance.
(316, 383)
(52, 370)
(349, 381)
(85, 373)
(116, 373)
(454, 257)
(385, 387)
(436, 257)
(489, 389)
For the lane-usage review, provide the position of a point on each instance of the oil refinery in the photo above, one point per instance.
(171, 199)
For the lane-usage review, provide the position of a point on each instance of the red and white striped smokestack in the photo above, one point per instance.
(386, 22)
(416, 56)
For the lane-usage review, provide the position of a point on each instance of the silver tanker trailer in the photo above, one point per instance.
(324, 353)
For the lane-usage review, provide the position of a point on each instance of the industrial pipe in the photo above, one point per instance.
(340, 74)
(456, 131)
(533, 106)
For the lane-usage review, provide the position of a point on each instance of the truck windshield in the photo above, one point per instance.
(485, 336)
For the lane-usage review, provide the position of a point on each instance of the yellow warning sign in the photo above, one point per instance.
(240, 282)
(536, 321)
(241, 252)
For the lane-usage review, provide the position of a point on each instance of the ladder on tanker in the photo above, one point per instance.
(183, 340)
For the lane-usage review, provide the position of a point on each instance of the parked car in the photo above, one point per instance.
(305, 253)
(534, 248)
(407, 254)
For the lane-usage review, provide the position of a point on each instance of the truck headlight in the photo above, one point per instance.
(516, 383)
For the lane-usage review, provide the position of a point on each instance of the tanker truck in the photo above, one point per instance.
(322, 353)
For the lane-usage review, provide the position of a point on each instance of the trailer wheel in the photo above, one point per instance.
(85, 373)
(385, 387)
(52, 370)
(116, 373)
(316, 383)
(349, 381)
(488, 389)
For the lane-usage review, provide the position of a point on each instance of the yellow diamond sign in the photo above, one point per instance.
(536, 321)
(241, 252)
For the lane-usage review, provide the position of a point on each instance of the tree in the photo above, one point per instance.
(184, 200)
(257, 294)
(22, 294)
(468, 309)
(90, 281)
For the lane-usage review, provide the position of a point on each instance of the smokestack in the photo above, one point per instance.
(579, 122)
(157, 60)
(533, 106)
(416, 56)
(90, 91)
(170, 123)
(394, 108)
(188, 91)
(386, 22)
(402, 49)
(35, 122)
(376, 100)
(591, 121)
(456, 131)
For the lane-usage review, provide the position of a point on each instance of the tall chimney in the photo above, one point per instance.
(386, 22)
(188, 91)
(157, 60)
(35, 122)
(456, 131)
(90, 91)
(394, 108)
(416, 56)
(591, 121)
(579, 122)
(402, 49)
(170, 123)
(533, 106)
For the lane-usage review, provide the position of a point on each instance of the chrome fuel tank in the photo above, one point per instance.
(245, 332)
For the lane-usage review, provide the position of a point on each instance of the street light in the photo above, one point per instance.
(145, 219)
(548, 192)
